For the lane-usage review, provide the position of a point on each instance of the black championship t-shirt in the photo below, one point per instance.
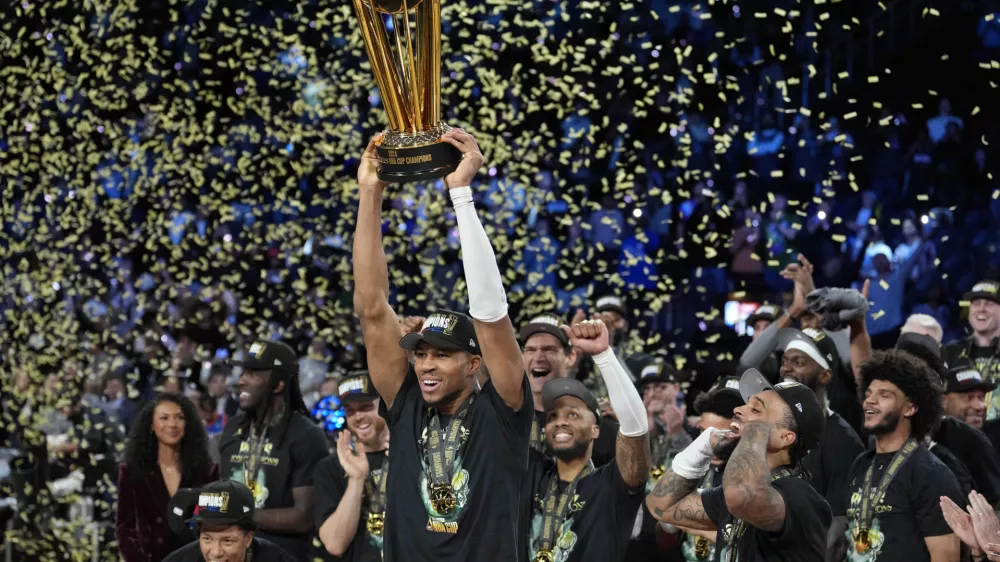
(604, 446)
(976, 452)
(830, 463)
(487, 475)
(802, 537)
(329, 485)
(909, 511)
(599, 520)
(289, 455)
(261, 550)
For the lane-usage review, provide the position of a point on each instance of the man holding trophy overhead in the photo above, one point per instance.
(459, 449)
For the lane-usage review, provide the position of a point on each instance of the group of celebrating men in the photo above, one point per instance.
(467, 444)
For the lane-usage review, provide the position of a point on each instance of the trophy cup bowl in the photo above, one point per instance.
(406, 60)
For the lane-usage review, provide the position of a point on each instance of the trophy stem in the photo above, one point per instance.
(416, 88)
(429, 73)
(379, 55)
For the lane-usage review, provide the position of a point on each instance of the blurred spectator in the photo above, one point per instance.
(119, 408)
(934, 308)
(886, 294)
(937, 126)
(863, 229)
(314, 367)
(167, 450)
(782, 228)
(912, 240)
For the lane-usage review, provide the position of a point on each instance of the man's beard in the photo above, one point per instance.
(724, 448)
(888, 424)
(574, 451)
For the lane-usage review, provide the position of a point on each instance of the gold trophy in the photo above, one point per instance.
(406, 62)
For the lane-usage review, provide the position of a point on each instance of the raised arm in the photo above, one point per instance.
(487, 299)
(861, 342)
(746, 482)
(632, 447)
(675, 498)
(387, 362)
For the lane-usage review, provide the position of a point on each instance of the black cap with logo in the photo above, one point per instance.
(557, 388)
(356, 387)
(809, 414)
(611, 303)
(545, 324)
(965, 377)
(445, 329)
(658, 371)
(266, 355)
(722, 398)
(986, 289)
(224, 502)
(765, 311)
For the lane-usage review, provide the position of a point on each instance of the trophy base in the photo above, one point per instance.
(408, 157)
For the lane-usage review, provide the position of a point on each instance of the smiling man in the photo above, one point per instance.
(549, 355)
(764, 509)
(808, 359)
(350, 493)
(895, 488)
(580, 512)
(983, 346)
(273, 446)
(226, 519)
(459, 448)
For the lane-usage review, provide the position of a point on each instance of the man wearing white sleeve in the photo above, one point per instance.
(579, 513)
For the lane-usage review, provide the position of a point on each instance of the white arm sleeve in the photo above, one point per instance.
(624, 398)
(487, 299)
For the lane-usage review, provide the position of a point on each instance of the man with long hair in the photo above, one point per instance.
(895, 488)
(273, 446)
(764, 509)
(459, 444)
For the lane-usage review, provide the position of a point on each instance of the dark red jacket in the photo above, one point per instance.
(141, 521)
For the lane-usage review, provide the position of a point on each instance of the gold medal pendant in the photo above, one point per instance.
(701, 548)
(544, 556)
(862, 543)
(443, 498)
(656, 472)
(376, 524)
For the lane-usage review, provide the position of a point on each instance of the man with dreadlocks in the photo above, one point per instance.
(272, 446)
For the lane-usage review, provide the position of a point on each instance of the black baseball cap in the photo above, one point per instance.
(224, 502)
(545, 324)
(769, 312)
(965, 377)
(914, 343)
(611, 303)
(557, 388)
(809, 414)
(658, 371)
(356, 387)
(813, 343)
(722, 398)
(986, 289)
(265, 355)
(445, 329)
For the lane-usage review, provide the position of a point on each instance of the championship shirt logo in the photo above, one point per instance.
(214, 501)
(440, 323)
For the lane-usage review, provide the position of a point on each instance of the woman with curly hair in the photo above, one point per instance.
(167, 450)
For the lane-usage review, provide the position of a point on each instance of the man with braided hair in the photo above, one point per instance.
(273, 446)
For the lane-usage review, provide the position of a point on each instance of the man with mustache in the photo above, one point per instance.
(764, 509)
(892, 514)
(809, 358)
(549, 355)
(983, 346)
(349, 508)
(580, 512)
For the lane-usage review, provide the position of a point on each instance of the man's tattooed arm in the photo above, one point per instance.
(675, 500)
(746, 483)
(632, 455)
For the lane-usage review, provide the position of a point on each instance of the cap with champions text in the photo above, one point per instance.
(987, 289)
(544, 324)
(356, 387)
(224, 502)
(445, 329)
(266, 355)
